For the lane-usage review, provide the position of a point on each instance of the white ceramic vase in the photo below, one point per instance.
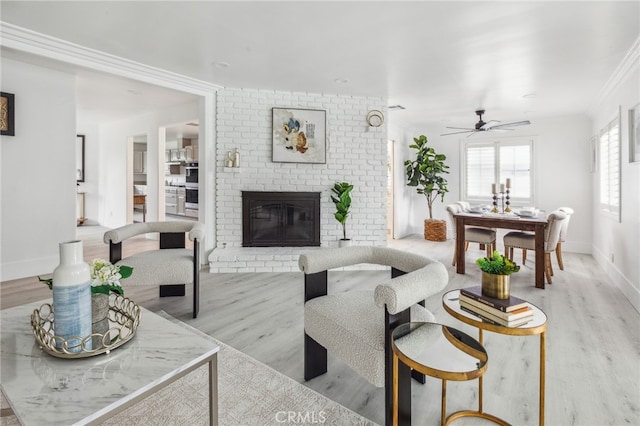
(72, 298)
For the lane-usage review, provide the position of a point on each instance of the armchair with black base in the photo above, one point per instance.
(171, 266)
(356, 326)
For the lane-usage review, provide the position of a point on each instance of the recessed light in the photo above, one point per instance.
(341, 80)
(529, 96)
(134, 92)
(221, 64)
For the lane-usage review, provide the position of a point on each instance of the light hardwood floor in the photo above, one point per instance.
(593, 338)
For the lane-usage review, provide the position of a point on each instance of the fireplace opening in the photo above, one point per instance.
(280, 219)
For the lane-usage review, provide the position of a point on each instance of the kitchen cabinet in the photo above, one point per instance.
(174, 200)
(181, 195)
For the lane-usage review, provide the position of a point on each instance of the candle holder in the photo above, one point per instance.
(495, 203)
(507, 202)
(502, 201)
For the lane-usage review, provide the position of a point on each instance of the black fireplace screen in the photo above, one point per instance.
(280, 219)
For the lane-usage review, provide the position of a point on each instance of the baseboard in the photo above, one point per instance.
(630, 292)
(577, 247)
(28, 268)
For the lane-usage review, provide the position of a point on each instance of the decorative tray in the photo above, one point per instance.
(124, 317)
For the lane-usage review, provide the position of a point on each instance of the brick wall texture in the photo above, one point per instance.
(355, 152)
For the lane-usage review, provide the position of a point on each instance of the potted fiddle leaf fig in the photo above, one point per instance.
(342, 199)
(426, 173)
(495, 275)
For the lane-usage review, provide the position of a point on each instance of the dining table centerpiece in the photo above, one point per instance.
(496, 271)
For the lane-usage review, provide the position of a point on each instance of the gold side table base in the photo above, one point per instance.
(469, 413)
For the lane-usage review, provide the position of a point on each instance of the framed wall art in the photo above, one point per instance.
(299, 135)
(7, 114)
(634, 134)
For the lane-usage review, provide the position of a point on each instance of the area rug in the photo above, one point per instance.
(249, 393)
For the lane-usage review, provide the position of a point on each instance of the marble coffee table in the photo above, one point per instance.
(43, 389)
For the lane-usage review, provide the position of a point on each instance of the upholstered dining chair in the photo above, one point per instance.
(527, 241)
(464, 205)
(563, 235)
(482, 236)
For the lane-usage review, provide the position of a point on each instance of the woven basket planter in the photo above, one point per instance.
(435, 230)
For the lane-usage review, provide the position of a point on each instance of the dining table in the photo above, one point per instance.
(535, 224)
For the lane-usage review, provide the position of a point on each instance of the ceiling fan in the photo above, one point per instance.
(491, 125)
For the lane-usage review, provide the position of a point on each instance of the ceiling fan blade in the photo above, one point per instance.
(461, 128)
(489, 125)
(517, 123)
(456, 133)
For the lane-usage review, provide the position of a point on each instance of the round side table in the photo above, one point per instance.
(442, 352)
(538, 325)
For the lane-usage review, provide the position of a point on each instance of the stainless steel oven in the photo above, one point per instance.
(191, 196)
(191, 173)
(191, 187)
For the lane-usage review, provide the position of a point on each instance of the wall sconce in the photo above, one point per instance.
(375, 118)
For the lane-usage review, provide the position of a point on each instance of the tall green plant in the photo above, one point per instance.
(426, 172)
(342, 200)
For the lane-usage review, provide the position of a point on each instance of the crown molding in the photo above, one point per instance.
(22, 39)
(628, 64)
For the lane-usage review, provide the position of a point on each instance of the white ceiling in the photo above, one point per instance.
(440, 60)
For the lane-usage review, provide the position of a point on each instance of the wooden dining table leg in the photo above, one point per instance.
(460, 239)
(539, 240)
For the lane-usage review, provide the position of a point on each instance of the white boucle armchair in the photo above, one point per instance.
(171, 267)
(356, 326)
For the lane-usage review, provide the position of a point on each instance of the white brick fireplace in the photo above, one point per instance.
(356, 153)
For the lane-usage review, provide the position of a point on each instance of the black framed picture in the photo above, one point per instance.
(7, 114)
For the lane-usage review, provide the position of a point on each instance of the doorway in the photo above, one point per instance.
(181, 172)
(139, 203)
(390, 192)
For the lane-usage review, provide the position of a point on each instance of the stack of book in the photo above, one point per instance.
(511, 312)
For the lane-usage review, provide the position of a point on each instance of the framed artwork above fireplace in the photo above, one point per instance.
(299, 135)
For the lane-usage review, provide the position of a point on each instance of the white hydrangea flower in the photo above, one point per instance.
(104, 273)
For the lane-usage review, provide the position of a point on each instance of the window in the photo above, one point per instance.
(486, 163)
(610, 168)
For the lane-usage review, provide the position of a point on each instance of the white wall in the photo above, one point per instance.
(562, 178)
(38, 170)
(616, 244)
(354, 154)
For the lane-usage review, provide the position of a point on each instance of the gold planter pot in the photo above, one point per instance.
(496, 286)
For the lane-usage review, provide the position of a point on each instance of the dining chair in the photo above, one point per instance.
(482, 236)
(464, 205)
(563, 235)
(527, 241)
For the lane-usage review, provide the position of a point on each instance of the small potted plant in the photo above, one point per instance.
(342, 199)
(426, 174)
(495, 275)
